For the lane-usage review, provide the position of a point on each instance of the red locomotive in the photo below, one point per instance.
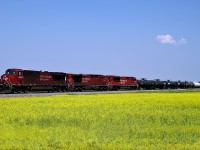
(118, 82)
(18, 80)
(90, 82)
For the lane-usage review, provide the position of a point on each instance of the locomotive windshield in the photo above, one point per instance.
(10, 72)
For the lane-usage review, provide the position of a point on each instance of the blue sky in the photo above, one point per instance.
(152, 39)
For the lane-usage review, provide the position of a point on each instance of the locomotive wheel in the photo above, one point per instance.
(71, 89)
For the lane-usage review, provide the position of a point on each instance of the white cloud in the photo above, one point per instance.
(182, 41)
(168, 39)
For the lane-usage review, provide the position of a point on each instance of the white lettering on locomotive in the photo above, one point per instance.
(45, 77)
(123, 81)
(86, 79)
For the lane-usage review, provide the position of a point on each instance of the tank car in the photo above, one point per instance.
(182, 84)
(196, 84)
(172, 84)
(159, 84)
(190, 85)
(147, 84)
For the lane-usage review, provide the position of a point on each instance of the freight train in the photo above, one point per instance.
(19, 80)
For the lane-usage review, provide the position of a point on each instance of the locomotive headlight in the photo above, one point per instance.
(5, 78)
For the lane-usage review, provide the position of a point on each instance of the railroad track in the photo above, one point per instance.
(36, 94)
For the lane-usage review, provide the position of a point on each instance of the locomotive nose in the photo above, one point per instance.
(1, 84)
(3, 79)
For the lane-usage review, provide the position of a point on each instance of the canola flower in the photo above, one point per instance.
(106, 121)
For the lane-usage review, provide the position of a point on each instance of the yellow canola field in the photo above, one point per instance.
(135, 121)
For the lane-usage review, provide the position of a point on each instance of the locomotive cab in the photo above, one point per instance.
(13, 76)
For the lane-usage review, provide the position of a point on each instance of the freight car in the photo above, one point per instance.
(168, 84)
(196, 84)
(148, 84)
(172, 84)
